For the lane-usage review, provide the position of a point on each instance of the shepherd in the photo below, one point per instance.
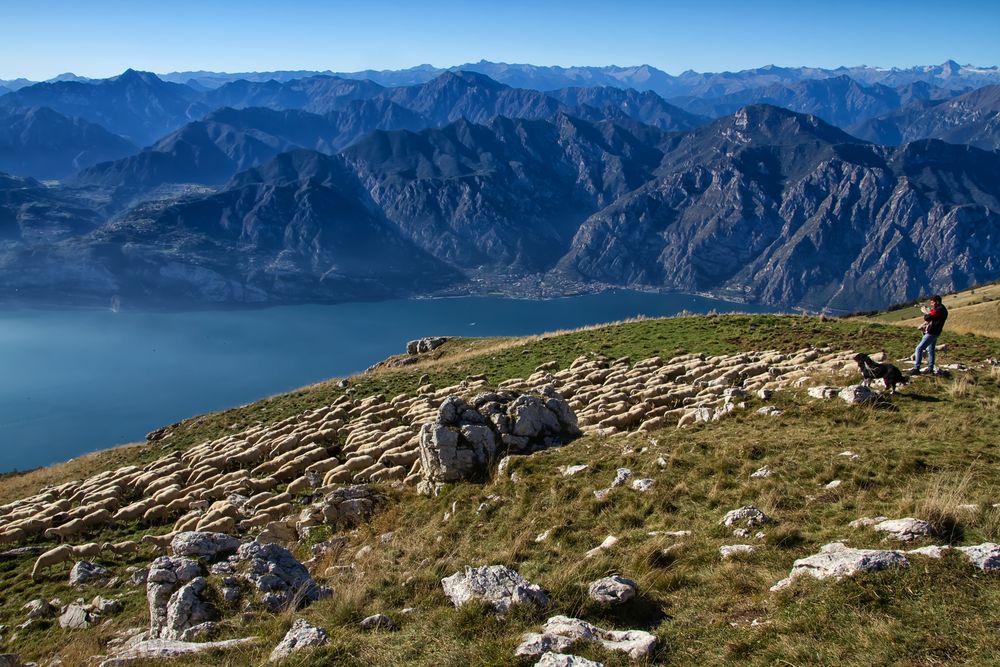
(934, 316)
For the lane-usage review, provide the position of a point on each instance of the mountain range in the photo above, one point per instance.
(821, 193)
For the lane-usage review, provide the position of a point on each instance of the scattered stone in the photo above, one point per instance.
(764, 394)
(643, 485)
(543, 535)
(838, 560)
(622, 475)
(497, 585)
(85, 572)
(905, 530)
(730, 550)
(138, 576)
(613, 590)
(866, 521)
(105, 606)
(569, 471)
(833, 484)
(159, 649)
(761, 473)
(769, 411)
(985, 556)
(850, 455)
(560, 633)
(196, 544)
(302, 635)
(741, 532)
(858, 394)
(608, 542)
(378, 622)
(748, 516)
(186, 609)
(824, 392)
(38, 608)
(601, 494)
(562, 660)
(662, 462)
(347, 506)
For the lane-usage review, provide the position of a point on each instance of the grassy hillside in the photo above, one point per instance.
(933, 456)
(975, 311)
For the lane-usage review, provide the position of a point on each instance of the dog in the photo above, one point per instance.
(870, 369)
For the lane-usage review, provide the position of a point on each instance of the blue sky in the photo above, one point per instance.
(39, 39)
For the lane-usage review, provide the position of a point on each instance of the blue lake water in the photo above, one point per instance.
(76, 381)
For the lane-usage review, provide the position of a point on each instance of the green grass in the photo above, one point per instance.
(934, 453)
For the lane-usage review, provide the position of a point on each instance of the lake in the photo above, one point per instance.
(79, 380)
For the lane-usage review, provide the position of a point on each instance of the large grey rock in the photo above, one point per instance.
(560, 633)
(282, 581)
(747, 516)
(203, 545)
(85, 572)
(75, 617)
(858, 394)
(38, 608)
(613, 590)
(166, 574)
(497, 585)
(347, 506)
(423, 345)
(563, 660)
(905, 530)
(301, 636)
(837, 560)
(160, 649)
(186, 609)
(985, 556)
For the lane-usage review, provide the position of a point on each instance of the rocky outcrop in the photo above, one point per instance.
(467, 438)
(497, 585)
(165, 576)
(161, 649)
(423, 345)
(85, 572)
(277, 576)
(838, 560)
(203, 545)
(905, 530)
(302, 636)
(80, 615)
(560, 633)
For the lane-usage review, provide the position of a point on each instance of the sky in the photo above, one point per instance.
(98, 38)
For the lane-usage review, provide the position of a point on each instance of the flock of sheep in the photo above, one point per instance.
(231, 485)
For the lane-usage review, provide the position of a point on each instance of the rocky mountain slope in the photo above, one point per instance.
(972, 118)
(785, 207)
(639, 542)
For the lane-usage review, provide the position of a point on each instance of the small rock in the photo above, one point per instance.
(543, 535)
(985, 556)
(850, 455)
(838, 560)
(622, 475)
(748, 515)
(643, 485)
(730, 550)
(75, 617)
(905, 530)
(764, 394)
(761, 473)
(138, 577)
(601, 494)
(824, 392)
(930, 552)
(302, 635)
(833, 484)
(560, 632)
(38, 608)
(378, 622)
(569, 471)
(858, 394)
(562, 660)
(497, 585)
(865, 521)
(104, 606)
(613, 590)
(769, 411)
(608, 542)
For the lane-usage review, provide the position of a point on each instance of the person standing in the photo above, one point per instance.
(934, 316)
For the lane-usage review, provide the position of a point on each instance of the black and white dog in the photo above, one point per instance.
(872, 370)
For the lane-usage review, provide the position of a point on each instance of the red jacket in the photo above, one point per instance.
(935, 319)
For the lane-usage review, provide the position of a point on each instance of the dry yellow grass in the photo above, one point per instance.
(975, 311)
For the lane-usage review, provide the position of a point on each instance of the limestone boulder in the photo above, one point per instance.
(301, 636)
(747, 516)
(278, 577)
(905, 530)
(985, 556)
(837, 560)
(162, 649)
(85, 572)
(858, 394)
(564, 660)
(497, 585)
(561, 632)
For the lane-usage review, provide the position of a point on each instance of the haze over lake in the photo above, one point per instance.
(75, 381)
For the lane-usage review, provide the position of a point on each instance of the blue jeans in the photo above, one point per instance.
(929, 343)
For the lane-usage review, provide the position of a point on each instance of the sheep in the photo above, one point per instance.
(121, 548)
(223, 525)
(12, 536)
(159, 542)
(300, 486)
(155, 514)
(168, 495)
(59, 554)
(68, 529)
(89, 550)
(187, 522)
(100, 517)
